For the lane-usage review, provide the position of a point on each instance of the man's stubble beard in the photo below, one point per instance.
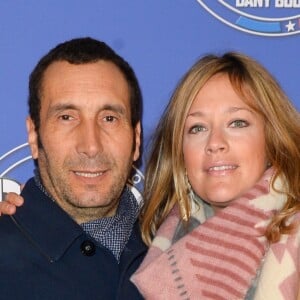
(61, 191)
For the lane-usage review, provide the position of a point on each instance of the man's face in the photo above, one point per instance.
(88, 143)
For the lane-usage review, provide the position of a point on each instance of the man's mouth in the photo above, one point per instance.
(89, 174)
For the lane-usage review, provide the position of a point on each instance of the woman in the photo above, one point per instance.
(222, 188)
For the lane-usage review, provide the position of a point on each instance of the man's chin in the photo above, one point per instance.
(90, 202)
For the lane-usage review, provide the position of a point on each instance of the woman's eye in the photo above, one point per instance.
(239, 124)
(197, 128)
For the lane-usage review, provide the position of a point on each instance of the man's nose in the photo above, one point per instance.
(89, 138)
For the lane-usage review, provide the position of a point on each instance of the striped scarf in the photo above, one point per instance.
(219, 259)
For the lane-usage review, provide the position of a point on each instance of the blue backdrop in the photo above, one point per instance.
(161, 39)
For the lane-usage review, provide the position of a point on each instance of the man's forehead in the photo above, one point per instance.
(101, 68)
(99, 83)
(62, 75)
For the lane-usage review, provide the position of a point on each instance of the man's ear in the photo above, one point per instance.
(137, 137)
(32, 138)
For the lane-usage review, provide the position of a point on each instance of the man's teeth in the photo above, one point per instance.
(90, 175)
(222, 168)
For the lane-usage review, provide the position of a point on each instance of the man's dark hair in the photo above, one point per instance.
(82, 51)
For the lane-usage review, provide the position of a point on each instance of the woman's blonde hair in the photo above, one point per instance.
(165, 181)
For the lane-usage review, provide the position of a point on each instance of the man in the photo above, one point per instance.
(77, 236)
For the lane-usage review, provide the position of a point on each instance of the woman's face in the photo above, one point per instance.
(223, 144)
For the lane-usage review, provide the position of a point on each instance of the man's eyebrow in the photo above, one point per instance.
(69, 106)
(113, 107)
(60, 107)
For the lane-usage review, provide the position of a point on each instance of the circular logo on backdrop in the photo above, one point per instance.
(136, 184)
(10, 161)
(259, 17)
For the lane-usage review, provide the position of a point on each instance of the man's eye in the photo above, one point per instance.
(65, 117)
(109, 118)
(197, 128)
(239, 124)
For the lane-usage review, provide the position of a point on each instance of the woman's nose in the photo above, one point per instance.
(216, 142)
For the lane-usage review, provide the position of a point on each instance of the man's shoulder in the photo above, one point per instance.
(7, 226)
(39, 219)
(11, 239)
(12, 227)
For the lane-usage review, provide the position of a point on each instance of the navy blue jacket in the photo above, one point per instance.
(45, 255)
